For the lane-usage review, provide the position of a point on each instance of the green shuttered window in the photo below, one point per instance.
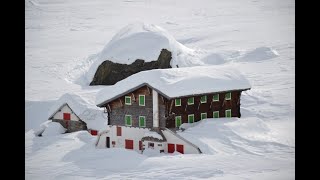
(215, 114)
(228, 96)
(228, 113)
(142, 121)
(203, 116)
(178, 102)
(191, 101)
(128, 120)
(203, 99)
(215, 97)
(128, 100)
(142, 100)
(178, 121)
(190, 118)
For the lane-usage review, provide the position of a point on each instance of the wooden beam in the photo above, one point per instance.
(109, 107)
(210, 105)
(121, 102)
(171, 106)
(185, 109)
(199, 105)
(133, 97)
(149, 90)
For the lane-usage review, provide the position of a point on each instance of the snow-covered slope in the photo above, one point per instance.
(63, 38)
(180, 82)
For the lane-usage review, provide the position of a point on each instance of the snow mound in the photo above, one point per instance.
(42, 127)
(179, 82)
(93, 116)
(259, 54)
(53, 129)
(141, 41)
(153, 134)
(151, 152)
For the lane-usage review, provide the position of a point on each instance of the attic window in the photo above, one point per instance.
(191, 101)
(66, 116)
(142, 100)
(215, 97)
(178, 102)
(228, 96)
(128, 100)
(203, 99)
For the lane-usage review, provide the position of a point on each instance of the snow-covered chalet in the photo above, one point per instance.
(145, 109)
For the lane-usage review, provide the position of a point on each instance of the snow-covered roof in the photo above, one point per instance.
(92, 115)
(178, 82)
(153, 135)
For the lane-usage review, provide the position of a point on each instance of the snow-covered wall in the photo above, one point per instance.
(65, 109)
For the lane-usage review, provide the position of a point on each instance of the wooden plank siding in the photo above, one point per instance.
(184, 110)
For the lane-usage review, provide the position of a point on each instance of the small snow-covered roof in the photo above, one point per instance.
(178, 82)
(92, 115)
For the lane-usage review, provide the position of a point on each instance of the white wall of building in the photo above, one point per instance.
(65, 109)
(136, 134)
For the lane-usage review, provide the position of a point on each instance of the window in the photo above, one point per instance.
(151, 145)
(66, 116)
(141, 100)
(178, 121)
(142, 121)
(191, 101)
(215, 97)
(228, 96)
(203, 99)
(128, 120)
(178, 102)
(118, 131)
(127, 100)
(94, 132)
(190, 118)
(215, 114)
(228, 113)
(203, 116)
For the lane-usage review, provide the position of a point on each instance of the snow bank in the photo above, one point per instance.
(142, 41)
(153, 134)
(53, 129)
(86, 111)
(151, 152)
(259, 54)
(181, 81)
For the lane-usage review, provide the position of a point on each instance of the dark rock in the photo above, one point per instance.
(109, 73)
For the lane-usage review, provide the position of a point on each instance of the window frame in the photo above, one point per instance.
(175, 102)
(192, 101)
(125, 119)
(227, 97)
(144, 99)
(176, 121)
(189, 115)
(125, 100)
(202, 114)
(216, 112)
(226, 113)
(213, 100)
(206, 99)
(144, 119)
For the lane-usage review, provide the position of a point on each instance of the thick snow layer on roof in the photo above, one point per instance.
(143, 41)
(86, 111)
(179, 82)
(153, 134)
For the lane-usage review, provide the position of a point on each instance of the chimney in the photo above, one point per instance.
(155, 108)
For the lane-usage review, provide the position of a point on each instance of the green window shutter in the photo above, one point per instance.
(215, 114)
(142, 121)
(128, 120)
(203, 116)
(228, 113)
(191, 101)
(228, 96)
(128, 100)
(216, 97)
(178, 121)
(178, 102)
(203, 99)
(190, 118)
(141, 100)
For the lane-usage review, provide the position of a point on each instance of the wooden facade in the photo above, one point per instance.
(117, 109)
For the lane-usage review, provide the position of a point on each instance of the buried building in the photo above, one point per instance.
(145, 109)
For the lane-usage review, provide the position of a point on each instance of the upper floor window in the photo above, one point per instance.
(191, 101)
(215, 97)
(228, 96)
(142, 121)
(142, 100)
(128, 120)
(127, 100)
(178, 102)
(203, 99)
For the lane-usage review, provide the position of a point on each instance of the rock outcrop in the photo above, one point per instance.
(109, 73)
